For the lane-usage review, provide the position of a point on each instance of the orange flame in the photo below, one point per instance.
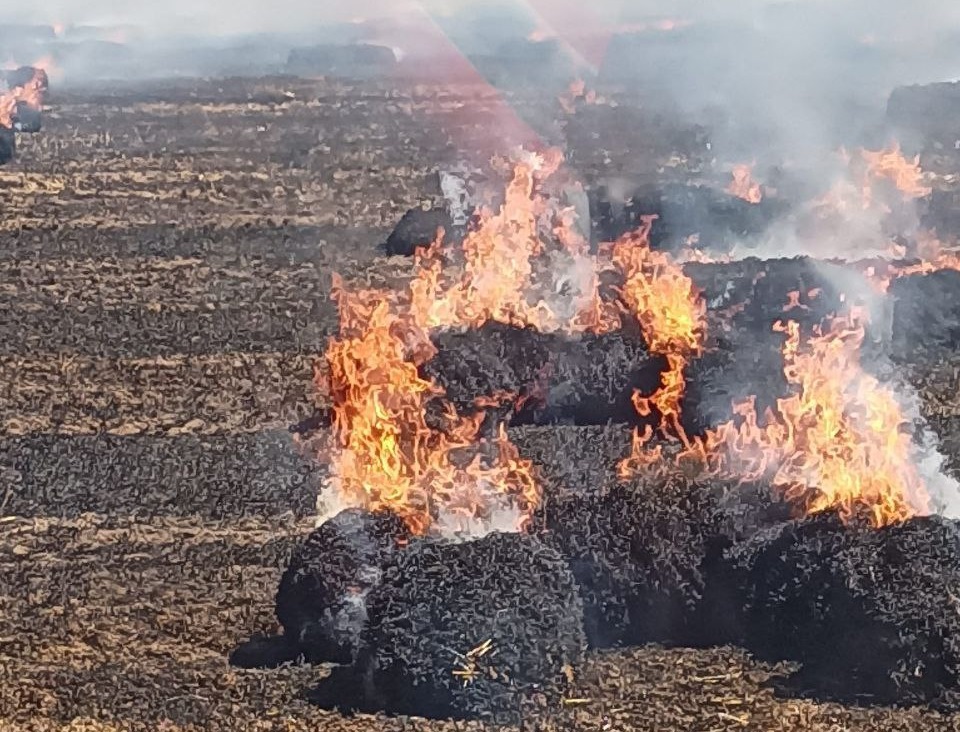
(499, 280)
(839, 442)
(30, 94)
(929, 253)
(890, 164)
(672, 317)
(743, 186)
(389, 456)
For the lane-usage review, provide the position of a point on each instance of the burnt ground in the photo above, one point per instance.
(165, 256)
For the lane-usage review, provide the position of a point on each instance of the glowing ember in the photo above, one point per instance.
(743, 186)
(839, 442)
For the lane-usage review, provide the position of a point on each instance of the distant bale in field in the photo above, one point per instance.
(8, 145)
(418, 228)
(471, 630)
(357, 59)
(872, 614)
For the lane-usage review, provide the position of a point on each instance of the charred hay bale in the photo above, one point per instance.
(870, 613)
(940, 212)
(322, 594)
(637, 552)
(439, 601)
(682, 210)
(586, 379)
(418, 228)
(573, 460)
(320, 600)
(927, 111)
(926, 312)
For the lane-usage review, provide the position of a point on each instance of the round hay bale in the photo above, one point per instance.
(644, 554)
(471, 630)
(637, 553)
(321, 601)
(872, 614)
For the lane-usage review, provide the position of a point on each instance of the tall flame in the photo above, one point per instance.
(672, 317)
(838, 442)
(389, 456)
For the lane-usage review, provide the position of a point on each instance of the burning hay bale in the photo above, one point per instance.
(21, 98)
(871, 613)
(586, 379)
(746, 300)
(322, 595)
(419, 228)
(926, 311)
(471, 629)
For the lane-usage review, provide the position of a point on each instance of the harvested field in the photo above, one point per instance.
(165, 259)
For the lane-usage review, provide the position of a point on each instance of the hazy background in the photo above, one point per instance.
(796, 76)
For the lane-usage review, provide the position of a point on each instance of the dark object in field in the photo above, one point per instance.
(472, 629)
(926, 312)
(637, 552)
(25, 117)
(24, 75)
(872, 614)
(417, 229)
(682, 210)
(8, 145)
(940, 212)
(350, 60)
(586, 379)
(928, 111)
(321, 601)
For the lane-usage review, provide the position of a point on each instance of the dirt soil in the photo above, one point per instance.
(165, 258)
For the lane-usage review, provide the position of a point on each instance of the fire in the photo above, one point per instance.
(928, 254)
(500, 280)
(743, 186)
(890, 164)
(523, 265)
(389, 456)
(31, 94)
(672, 317)
(838, 442)
(577, 92)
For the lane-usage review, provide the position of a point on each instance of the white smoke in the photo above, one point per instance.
(502, 516)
